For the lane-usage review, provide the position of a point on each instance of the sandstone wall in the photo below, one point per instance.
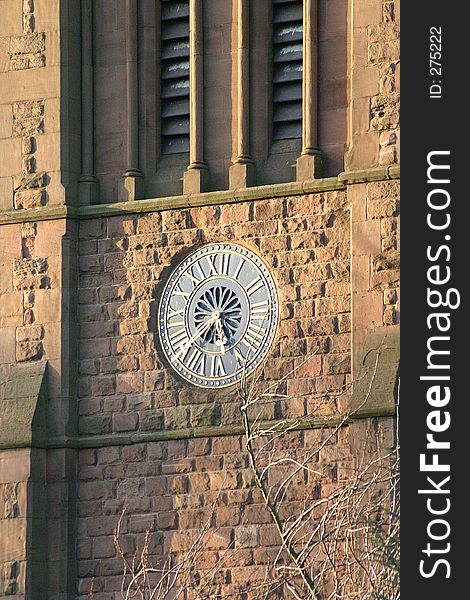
(126, 390)
(123, 384)
(79, 287)
(29, 105)
(374, 84)
(171, 487)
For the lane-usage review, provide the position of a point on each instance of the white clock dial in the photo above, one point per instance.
(218, 315)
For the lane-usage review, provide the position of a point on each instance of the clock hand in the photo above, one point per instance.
(199, 331)
(220, 336)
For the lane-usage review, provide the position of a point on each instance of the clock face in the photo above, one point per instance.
(218, 315)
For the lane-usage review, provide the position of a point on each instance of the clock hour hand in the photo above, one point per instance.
(220, 337)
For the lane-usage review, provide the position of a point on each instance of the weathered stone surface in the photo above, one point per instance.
(28, 109)
(28, 6)
(27, 44)
(28, 164)
(28, 50)
(30, 198)
(375, 383)
(28, 145)
(384, 42)
(384, 112)
(31, 125)
(31, 181)
(10, 580)
(124, 387)
(28, 230)
(31, 350)
(30, 274)
(22, 406)
(10, 502)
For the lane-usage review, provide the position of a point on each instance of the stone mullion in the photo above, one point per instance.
(88, 181)
(309, 163)
(242, 169)
(131, 184)
(195, 177)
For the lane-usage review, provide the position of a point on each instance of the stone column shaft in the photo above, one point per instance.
(242, 169)
(195, 177)
(131, 182)
(88, 181)
(309, 163)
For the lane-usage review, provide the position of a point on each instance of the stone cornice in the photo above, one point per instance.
(262, 192)
(372, 174)
(126, 439)
(45, 213)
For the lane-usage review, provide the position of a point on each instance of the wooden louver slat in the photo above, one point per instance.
(287, 69)
(175, 76)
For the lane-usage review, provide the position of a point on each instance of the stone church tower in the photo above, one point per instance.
(133, 134)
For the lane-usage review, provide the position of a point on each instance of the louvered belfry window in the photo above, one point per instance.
(287, 69)
(175, 76)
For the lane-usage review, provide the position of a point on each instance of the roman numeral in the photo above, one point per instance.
(211, 262)
(217, 366)
(241, 262)
(178, 336)
(179, 292)
(196, 361)
(255, 329)
(192, 278)
(200, 271)
(254, 285)
(175, 313)
(176, 324)
(259, 311)
(252, 338)
(240, 358)
(224, 263)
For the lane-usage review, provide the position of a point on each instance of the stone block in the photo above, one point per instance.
(125, 422)
(29, 333)
(377, 358)
(364, 153)
(241, 175)
(195, 181)
(31, 350)
(367, 12)
(131, 187)
(367, 309)
(360, 273)
(309, 166)
(23, 404)
(30, 274)
(27, 44)
(32, 198)
(366, 238)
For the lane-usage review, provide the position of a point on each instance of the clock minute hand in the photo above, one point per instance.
(202, 328)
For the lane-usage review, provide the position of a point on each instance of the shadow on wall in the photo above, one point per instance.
(23, 531)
